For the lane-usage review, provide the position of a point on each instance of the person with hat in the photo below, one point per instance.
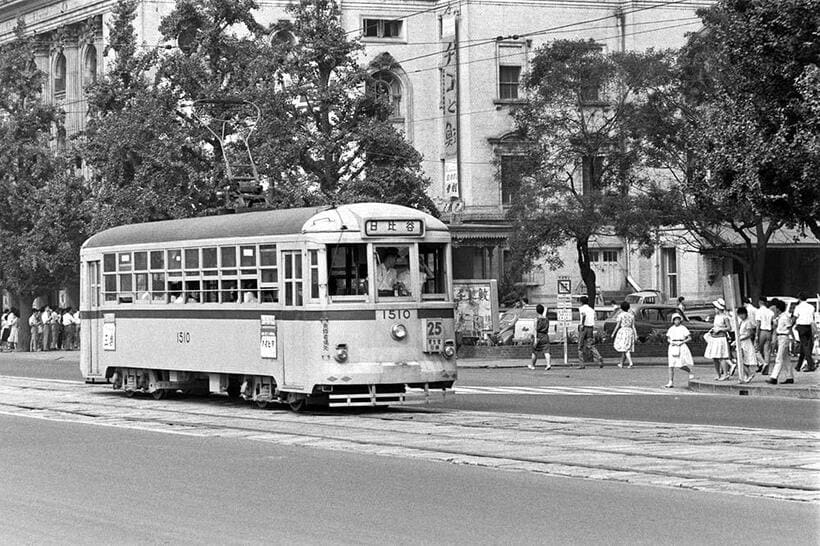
(717, 341)
(679, 354)
(783, 329)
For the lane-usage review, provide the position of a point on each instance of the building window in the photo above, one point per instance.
(670, 267)
(387, 87)
(59, 76)
(511, 59)
(90, 65)
(508, 80)
(512, 168)
(283, 38)
(382, 28)
(591, 172)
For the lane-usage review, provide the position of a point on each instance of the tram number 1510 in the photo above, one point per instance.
(183, 337)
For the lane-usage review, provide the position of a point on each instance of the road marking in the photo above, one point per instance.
(565, 390)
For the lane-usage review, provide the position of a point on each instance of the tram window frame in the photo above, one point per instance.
(109, 277)
(293, 277)
(438, 252)
(350, 269)
(380, 253)
(174, 284)
(94, 281)
(268, 263)
(228, 274)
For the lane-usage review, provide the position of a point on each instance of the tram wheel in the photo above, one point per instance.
(263, 404)
(234, 390)
(159, 394)
(130, 394)
(296, 405)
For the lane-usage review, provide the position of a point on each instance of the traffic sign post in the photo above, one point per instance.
(564, 310)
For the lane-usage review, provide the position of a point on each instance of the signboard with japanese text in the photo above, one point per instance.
(394, 228)
(564, 308)
(267, 336)
(449, 104)
(476, 307)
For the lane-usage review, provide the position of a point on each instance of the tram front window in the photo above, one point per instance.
(393, 271)
(432, 272)
(347, 270)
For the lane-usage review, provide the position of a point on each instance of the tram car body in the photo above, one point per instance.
(340, 306)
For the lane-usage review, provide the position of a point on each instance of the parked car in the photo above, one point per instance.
(521, 322)
(644, 296)
(653, 320)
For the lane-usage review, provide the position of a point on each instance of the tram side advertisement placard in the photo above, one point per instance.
(267, 336)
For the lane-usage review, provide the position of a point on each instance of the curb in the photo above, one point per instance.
(804, 392)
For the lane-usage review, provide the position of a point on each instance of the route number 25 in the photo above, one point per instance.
(434, 328)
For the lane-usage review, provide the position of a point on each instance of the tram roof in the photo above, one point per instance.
(257, 223)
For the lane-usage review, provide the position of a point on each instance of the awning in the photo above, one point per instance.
(480, 234)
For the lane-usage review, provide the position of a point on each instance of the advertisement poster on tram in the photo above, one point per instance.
(476, 308)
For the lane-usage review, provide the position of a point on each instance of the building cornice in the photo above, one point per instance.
(46, 15)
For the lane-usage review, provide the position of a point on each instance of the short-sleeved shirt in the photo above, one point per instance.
(677, 333)
(587, 315)
(784, 324)
(764, 318)
(803, 314)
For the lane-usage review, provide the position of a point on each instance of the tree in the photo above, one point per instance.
(42, 223)
(585, 174)
(144, 162)
(739, 129)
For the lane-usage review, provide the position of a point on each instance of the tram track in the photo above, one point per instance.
(693, 456)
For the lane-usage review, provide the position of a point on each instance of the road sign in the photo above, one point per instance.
(564, 314)
(564, 285)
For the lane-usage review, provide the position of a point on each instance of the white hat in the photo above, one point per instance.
(677, 316)
(720, 304)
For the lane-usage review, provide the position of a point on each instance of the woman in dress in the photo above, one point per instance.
(624, 335)
(679, 354)
(541, 338)
(746, 357)
(717, 343)
(14, 329)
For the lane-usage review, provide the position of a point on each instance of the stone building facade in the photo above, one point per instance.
(452, 70)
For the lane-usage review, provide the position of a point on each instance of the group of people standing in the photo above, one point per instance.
(50, 329)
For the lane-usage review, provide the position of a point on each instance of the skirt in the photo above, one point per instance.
(624, 340)
(747, 355)
(717, 347)
(680, 356)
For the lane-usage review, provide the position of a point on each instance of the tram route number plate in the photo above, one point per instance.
(267, 336)
(109, 332)
(433, 335)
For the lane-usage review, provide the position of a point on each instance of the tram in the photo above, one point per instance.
(336, 306)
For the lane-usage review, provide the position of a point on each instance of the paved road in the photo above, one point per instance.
(109, 485)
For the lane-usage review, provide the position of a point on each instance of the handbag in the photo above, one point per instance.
(674, 351)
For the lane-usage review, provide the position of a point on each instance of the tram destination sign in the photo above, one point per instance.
(394, 228)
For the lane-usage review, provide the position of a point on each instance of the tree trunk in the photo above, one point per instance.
(757, 259)
(587, 273)
(24, 303)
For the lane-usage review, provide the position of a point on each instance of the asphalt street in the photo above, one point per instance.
(83, 484)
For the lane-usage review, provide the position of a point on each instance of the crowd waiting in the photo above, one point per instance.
(50, 329)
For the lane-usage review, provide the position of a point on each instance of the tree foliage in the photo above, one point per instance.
(586, 174)
(739, 128)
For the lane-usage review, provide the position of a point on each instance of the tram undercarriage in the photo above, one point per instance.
(263, 390)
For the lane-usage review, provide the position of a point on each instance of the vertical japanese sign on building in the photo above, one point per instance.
(449, 98)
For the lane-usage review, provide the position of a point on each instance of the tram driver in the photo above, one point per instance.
(386, 274)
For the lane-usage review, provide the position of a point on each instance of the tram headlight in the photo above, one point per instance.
(341, 353)
(398, 331)
(449, 350)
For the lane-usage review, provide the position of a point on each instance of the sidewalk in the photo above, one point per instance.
(806, 385)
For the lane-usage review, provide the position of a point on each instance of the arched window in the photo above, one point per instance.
(59, 76)
(283, 37)
(90, 65)
(387, 86)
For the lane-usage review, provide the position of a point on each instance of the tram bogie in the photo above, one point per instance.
(341, 307)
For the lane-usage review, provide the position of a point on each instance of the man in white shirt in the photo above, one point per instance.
(386, 274)
(764, 317)
(586, 335)
(804, 322)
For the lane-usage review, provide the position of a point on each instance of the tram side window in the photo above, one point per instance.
(125, 293)
(229, 281)
(175, 277)
(157, 266)
(432, 260)
(110, 277)
(293, 277)
(268, 274)
(347, 270)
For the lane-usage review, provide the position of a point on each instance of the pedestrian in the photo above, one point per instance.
(75, 318)
(68, 330)
(14, 329)
(586, 335)
(682, 308)
(679, 354)
(717, 341)
(782, 360)
(36, 329)
(56, 330)
(763, 346)
(804, 323)
(45, 317)
(5, 329)
(541, 338)
(746, 356)
(624, 335)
